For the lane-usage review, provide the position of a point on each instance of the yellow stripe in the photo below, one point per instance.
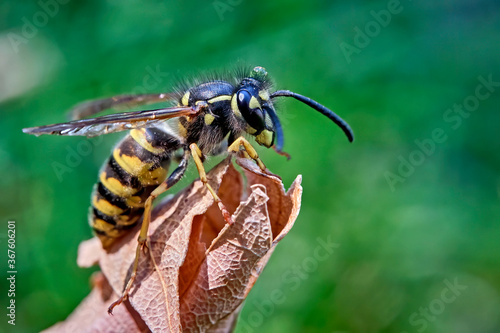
(106, 207)
(254, 103)
(134, 202)
(185, 98)
(182, 130)
(234, 107)
(264, 94)
(250, 130)
(219, 98)
(109, 229)
(153, 177)
(141, 170)
(131, 164)
(116, 187)
(209, 119)
(125, 220)
(265, 138)
(106, 241)
(139, 135)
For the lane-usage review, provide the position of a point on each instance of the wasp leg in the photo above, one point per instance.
(252, 153)
(142, 240)
(197, 157)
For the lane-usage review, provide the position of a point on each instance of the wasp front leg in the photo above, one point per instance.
(142, 240)
(252, 153)
(197, 157)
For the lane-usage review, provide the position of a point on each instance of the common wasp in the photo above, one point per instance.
(211, 117)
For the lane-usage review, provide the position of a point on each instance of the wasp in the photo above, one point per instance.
(210, 117)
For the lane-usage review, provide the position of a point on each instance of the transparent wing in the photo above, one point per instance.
(89, 108)
(114, 122)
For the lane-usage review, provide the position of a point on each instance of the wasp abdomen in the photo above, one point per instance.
(139, 163)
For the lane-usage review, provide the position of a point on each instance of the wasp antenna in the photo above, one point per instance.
(318, 107)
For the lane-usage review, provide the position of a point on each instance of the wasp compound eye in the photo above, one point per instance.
(250, 110)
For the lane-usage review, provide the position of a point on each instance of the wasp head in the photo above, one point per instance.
(252, 103)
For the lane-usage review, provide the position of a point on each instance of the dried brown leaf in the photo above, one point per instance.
(198, 270)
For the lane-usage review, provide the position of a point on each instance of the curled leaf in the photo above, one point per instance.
(198, 270)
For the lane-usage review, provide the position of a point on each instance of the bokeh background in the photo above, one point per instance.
(409, 212)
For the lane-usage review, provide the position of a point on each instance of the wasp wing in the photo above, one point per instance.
(114, 122)
(89, 108)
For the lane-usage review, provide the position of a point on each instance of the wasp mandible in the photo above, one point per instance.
(209, 115)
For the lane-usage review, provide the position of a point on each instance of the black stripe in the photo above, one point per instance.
(111, 197)
(99, 232)
(100, 215)
(194, 129)
(160, 139)
(132, 148)
(183, 122)
(139, 213)
(140, 193)
(134, 212)
(109, 219)
(114, 170)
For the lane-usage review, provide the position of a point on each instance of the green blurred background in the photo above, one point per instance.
(410, 209)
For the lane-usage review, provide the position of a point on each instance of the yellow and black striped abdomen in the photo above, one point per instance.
(138, 165)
